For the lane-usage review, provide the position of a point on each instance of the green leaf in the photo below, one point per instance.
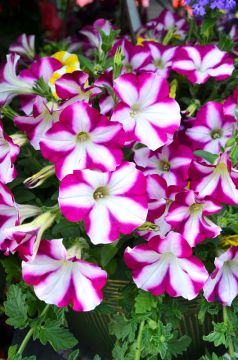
(67, 229)
(51, 331)
(144, 302)
(97, 357)
(123, 328)
(16, 307)
(19, 357)
(179, 346)
(11, 352)
(211, 158)
(107, 254)
(221, 335)
(87, 64)
(74, 355)
(23, 195)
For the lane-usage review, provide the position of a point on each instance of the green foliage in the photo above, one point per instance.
(52, 331)
(147, 332)
(211, 158)
(11, 265)
(16, 307)
(74, 355)
(221, 335)
(213, 356)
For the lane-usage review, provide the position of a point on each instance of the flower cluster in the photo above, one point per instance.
(199, 6)
(129, 158)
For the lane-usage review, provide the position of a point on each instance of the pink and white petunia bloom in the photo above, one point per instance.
(166, 265)
(109, 203)
(26, 238)
(105, 84)
(45, 114)
(11, 84)
(135, 57)
(222, 284)
(218, 181)
(162, 58)
(200, 62)
(160, 197)
(24, 46)
(211, 129)
(231, 105)
(72, 85)
(167, 21)
(11, 214)
(60, 278)
(41, 68)
(8, 155)
(146, 112)
(172, 162)
(83, 139)
(93, 34)
(188, 215)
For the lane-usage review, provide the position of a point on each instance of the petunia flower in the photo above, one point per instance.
(231, 105)
(222, 282)
(93, 34)
(61, 279)
(11, 84)
(45, 114)
(188, 215)
(218, 181)
(8, 155)
(200, 62)
(172, 162)
(26, 238)
(162, 56)
(109, 203)
(146, 112)
(168, 20)
(72, 85)
(40, 68)
(211, 129)
(135, 58)
(24, 46)
(105, 84)
(69, 63)
(83, 139)
(11, 213)
(160, 197)
(166, 265)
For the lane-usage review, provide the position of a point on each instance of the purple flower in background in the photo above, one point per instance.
(199, 6)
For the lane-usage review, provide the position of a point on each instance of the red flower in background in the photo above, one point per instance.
(50, 21)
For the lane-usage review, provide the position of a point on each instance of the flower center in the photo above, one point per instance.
(216, 134)
(159, 64)
(195, 208)
(164, 165)
(134, 110)
(83, 136)
(100, 193)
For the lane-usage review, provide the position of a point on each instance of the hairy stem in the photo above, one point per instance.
(30, 333)
(139, 338)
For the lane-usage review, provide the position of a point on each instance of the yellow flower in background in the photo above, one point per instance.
(70, 63)
(229, 240)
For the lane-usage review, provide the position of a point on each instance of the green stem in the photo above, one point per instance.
(139, 338)
(231, 349)
(30, 333)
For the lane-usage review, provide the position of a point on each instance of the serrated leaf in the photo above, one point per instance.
(179, 346)
(16, 307)
(87, 64)
(59, 337)
(11, 352)
(123, 328)
(74, 355)
(211, 158)
(144, 302)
